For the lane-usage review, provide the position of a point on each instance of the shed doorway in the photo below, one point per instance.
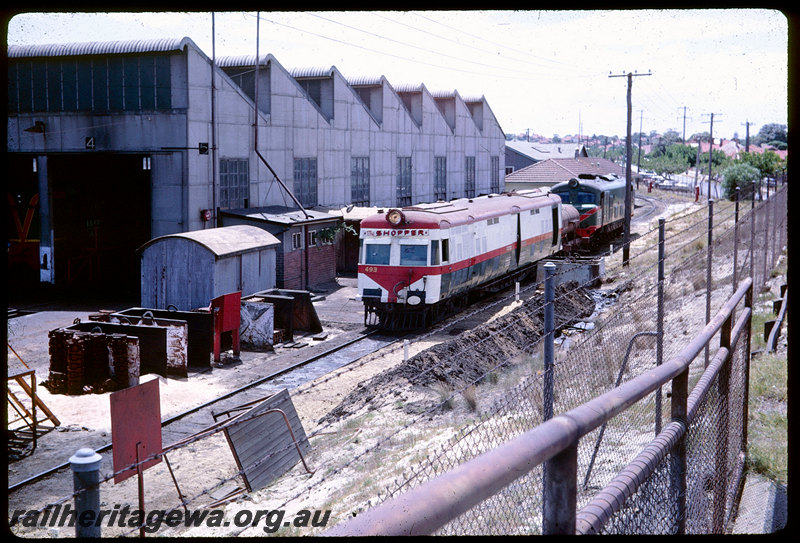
(101, 208)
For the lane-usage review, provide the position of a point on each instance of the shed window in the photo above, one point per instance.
(440, 178)
(305, 181)
(234, 183)
(404, 181)
(359, 181)
(469, 176)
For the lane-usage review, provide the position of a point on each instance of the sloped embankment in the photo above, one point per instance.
(473, 353)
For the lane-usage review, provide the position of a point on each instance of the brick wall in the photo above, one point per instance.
(321, 264)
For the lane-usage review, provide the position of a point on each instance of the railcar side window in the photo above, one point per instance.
(436, 257)
(445, 250)
(377, 254)
(413, 255)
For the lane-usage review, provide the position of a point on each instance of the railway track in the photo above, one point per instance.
(186, 423)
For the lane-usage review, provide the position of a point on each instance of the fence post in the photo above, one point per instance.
(85, 465)
(748, 304)
(710, 253)
(765, 208)
(735, 238)
(549, 336)
(560, 492)
(773, 204)
(753, 238)
(660, 317)
(721, 449)
(677, 459)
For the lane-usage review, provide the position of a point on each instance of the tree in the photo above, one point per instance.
(768, 163)
(771, 132)
(740, 175)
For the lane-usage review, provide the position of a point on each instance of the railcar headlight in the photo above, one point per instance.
(395, 217)
(414, 300)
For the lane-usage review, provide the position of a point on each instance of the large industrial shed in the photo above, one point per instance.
(189, 269)
(111, 144)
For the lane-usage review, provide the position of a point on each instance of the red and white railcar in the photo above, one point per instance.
(419, 263)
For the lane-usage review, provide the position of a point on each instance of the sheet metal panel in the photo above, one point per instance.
(262, 443)
(135, 425)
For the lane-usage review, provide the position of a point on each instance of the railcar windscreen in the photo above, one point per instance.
(413, 255)
(377, 254)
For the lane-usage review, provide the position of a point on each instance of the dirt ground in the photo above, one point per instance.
(346, 414)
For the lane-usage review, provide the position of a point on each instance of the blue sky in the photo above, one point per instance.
(546, 71)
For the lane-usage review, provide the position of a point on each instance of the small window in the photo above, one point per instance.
(436, 256)
(377, 254)
(493, 220)
(312, 238)
(297, 241)
(445, 250)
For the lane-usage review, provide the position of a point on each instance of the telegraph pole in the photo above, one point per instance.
(684, 125)
(747, 137)
(710, 148)
(626, 243)
(639, 158)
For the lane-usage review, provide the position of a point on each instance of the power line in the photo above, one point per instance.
(505, 46)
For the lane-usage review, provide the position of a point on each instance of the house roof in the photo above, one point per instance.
(543, 151)
(558, 170)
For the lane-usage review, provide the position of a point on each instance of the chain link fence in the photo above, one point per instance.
(708, 252)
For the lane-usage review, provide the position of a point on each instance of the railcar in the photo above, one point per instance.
(600, 201)
(419, 264)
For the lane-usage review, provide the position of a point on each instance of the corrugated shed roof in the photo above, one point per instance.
(225, 240)
(99, 48)
(239, 61)
(311, 71)
(408, 87)
(365, 80)
(443, 93)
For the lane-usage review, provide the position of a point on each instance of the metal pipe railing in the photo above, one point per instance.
(430, 506)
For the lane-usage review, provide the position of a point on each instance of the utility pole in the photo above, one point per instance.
(626, 243)
(710, 148)
(747, 137)
(639, 159)
(684, 125)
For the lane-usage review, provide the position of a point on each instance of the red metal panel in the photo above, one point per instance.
(227, 318)
(135, 426)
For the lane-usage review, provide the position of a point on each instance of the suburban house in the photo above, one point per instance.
(520, 154)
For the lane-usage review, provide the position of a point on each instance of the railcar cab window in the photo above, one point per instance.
(377, 253)
(413, 255)
(577, 197)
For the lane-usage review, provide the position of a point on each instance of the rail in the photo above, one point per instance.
(554, 445)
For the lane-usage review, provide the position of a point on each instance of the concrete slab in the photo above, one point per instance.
(763, 507)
